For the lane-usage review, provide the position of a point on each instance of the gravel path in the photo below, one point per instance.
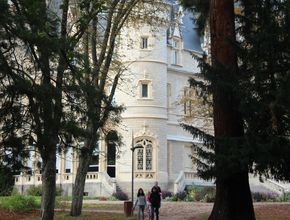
(186, 210)
(183, 210)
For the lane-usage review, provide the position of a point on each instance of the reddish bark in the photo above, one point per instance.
(233, 197)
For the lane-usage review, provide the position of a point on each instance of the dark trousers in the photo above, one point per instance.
(156, 210)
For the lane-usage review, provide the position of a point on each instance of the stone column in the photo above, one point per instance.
(102, 156)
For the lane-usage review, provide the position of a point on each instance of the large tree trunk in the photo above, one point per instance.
(79, 185)
(48, 183)
(233, 197)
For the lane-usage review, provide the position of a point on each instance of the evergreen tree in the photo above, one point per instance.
(264, 52)
(250, 102)
(34, 54)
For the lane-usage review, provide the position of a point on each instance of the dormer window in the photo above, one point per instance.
(175, 44)
(144, 42)
(176, 52)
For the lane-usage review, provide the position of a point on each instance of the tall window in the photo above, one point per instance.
(175, 52)
(144, 90)
(111, 140)
(144, 155)
(144, 42)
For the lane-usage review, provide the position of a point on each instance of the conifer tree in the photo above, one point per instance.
(264, 52)
(35, 52)
(254, 96)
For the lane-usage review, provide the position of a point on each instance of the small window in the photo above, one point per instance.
(175, 57)
(175, 44)
(144, 42)
(67, 170)
(144, 90)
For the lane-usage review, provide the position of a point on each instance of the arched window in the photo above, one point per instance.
(144, 155)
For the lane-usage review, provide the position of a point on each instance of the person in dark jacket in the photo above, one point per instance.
(155, 202)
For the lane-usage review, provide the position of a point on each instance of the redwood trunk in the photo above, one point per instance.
(79, 185)
(233, 197)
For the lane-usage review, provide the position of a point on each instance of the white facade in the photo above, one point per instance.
(163, 68)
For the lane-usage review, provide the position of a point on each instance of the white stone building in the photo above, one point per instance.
(161, 63)
(159, 60)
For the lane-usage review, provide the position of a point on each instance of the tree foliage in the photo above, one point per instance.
(264, 54)
(262, 86)
(34, 57)
(200, 8)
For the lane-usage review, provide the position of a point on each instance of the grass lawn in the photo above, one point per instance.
(66, 205)
(87, 216)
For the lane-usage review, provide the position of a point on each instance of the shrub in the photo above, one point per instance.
(189, 198)
(286, 197)
(174, 198)
(208, 194)
(112, 198)
(120, 195)
(264, 196)
(209, 197)
(202, 193)
(166, 194)
(15, 191)
(37, 191)
(180, 195)
(20, 202)
(58, 191)
(34, 191)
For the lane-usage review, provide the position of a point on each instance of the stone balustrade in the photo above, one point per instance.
(36, 179)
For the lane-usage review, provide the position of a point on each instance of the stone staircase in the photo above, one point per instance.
(267, 186)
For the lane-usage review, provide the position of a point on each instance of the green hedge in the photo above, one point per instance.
(20, 202)
(37, 191)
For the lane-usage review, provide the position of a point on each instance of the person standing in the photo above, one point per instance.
(158, 190)
(155, 200)
(141, 202)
